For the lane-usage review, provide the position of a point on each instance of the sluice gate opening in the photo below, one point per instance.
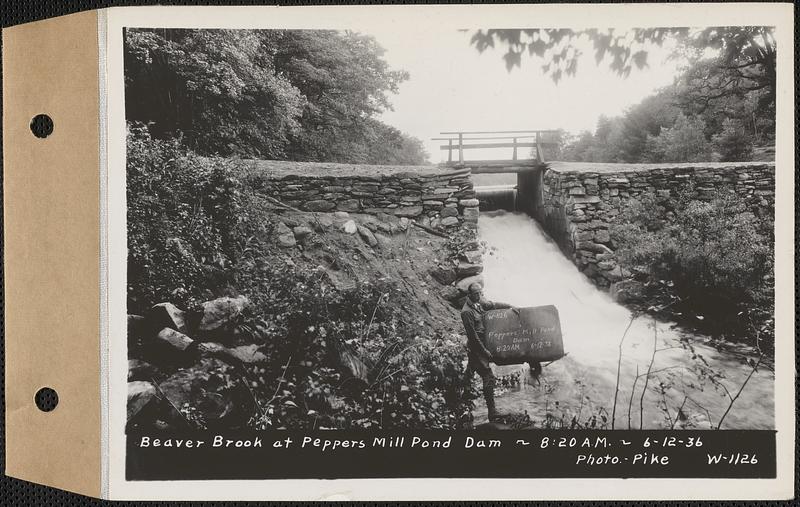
(511, 184)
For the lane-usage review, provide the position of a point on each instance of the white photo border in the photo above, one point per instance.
(455, 16)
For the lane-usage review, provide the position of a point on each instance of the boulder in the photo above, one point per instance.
(300, 232)
(140, 395)
(470, 203)
(219, 312)
(367, 236)
(383, 241)
(285, 236)
(404, 223)
(174, 340)
(444, 275)
(463, 285)
(473, 256)
(247, 354)
(281, 228)
(350, 227)
(140, 370)
(287, 240)
(468, 269)
(341, 214)
(166, 315)
(321, 222)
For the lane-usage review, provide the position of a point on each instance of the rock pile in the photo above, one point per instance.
(456, 275)
(174, 355)
(374, 229)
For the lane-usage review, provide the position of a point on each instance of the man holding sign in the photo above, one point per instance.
(477, 353)
(501, 337)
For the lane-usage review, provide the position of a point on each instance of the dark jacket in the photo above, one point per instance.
(472, 317)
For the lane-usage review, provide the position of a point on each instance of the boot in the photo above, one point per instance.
(490, 407)
(488, 394)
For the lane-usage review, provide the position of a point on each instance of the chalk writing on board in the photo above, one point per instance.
(532, 335)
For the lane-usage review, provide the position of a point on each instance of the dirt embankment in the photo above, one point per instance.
(225, 363)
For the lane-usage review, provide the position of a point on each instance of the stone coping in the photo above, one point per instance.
(279, 169)
(600, 168)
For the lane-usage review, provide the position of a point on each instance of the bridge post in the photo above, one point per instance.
(449, 151)
(514, 157)
(460, 148)
(539, 155)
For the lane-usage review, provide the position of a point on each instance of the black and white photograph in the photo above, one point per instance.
(468, 230)
(522, 252)
(298, 261)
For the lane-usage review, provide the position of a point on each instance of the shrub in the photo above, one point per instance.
(196, 231)
(733, 143)
(683, 142)
(413, 381)
(182, 214)
(715, 256)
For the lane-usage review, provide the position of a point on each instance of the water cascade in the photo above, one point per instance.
(688, 378)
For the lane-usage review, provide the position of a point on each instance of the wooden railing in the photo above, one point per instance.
(515, 139)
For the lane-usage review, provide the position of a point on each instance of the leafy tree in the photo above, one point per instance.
(214, 88)
(746, 55)
(733, 144)
(346, 82)
(683, 142)
(277, 94)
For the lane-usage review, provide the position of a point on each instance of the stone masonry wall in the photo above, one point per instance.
(580, 201)
(435, 197)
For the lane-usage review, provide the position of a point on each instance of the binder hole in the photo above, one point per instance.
(42, 126)
(46, 399)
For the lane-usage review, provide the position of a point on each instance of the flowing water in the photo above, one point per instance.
(690, 385)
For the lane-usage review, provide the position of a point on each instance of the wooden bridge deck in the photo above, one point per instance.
(534, 140)
(497, 166)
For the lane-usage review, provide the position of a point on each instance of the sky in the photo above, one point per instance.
(453, 87)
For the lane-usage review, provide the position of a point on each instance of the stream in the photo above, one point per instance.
(690, 385)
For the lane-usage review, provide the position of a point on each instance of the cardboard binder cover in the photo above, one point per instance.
(52, 252)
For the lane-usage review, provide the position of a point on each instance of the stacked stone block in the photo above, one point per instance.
(580, 202)
(440, 198)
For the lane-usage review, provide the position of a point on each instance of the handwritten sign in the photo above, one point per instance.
(533, 335)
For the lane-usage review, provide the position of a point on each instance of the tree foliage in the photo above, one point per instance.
(727, 87)
(276, 94)
(714, 256)
(745, 55)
